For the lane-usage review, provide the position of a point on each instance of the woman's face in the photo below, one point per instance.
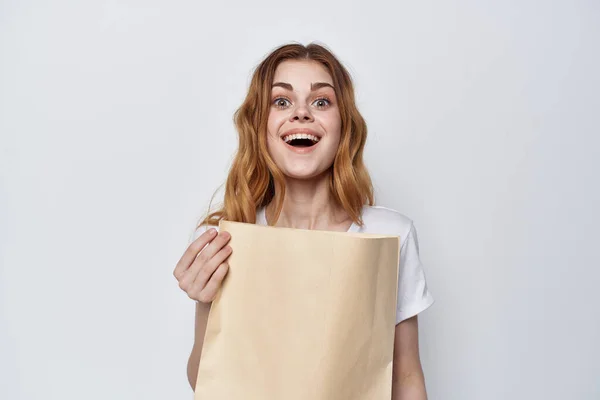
(304, 125)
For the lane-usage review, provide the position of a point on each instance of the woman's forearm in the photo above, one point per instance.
(410, 387)
(201, 319)
(192, 368)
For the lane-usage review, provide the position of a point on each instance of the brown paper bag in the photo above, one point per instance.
(302, 314)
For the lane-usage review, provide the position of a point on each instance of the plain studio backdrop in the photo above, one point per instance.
(116, 128)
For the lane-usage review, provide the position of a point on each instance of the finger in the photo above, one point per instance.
(192, 252)
(203, 272)
(196, 276)
(212, 287)
(215, 246)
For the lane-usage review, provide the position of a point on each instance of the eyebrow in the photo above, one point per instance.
(313, 86)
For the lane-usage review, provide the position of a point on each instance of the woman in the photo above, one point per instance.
(299, 165)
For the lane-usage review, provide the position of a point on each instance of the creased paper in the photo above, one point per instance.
(302, 315)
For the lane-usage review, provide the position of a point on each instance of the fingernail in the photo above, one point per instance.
(213, 231)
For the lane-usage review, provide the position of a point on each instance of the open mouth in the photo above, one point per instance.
(301, 140)
(301, 143)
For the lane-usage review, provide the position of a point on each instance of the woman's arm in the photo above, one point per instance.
(201, 318)
(408, 380)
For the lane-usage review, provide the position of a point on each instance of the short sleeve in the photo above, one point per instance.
(413, 293)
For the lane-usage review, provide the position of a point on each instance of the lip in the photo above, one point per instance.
(301, 130)
(301, 150)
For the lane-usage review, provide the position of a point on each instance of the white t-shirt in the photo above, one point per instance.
(413, 293)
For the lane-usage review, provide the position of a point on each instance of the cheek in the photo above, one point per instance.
(274, 121)
(333, 124)
(273, 126)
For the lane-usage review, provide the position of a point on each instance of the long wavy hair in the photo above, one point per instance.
(254, 180)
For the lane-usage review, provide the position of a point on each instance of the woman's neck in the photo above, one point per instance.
(308, 204)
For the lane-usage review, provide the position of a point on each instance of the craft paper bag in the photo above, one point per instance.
(302, 315)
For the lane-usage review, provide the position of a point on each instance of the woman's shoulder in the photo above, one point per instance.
(385, 221)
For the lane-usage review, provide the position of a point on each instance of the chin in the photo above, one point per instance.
(299, 175)
(304, 174)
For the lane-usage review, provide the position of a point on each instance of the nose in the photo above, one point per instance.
(301, 113)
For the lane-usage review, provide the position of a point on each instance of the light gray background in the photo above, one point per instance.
(116, 129)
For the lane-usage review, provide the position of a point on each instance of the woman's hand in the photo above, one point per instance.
(203, 266)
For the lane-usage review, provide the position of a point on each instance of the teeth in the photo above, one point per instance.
(289, 138)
